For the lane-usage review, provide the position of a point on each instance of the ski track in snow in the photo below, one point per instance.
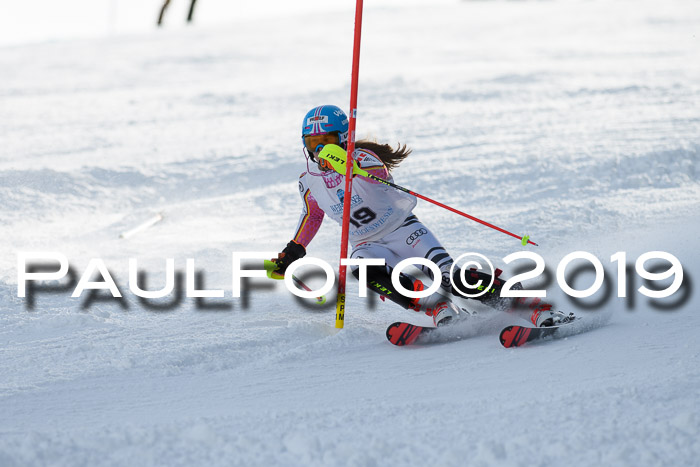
(574, 122)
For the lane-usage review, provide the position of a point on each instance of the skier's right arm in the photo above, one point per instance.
(309, 223)
(310, 220)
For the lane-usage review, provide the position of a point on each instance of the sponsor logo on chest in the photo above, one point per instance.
(354, 201)
(332, 180)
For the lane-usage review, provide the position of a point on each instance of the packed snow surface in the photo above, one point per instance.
(575, 122)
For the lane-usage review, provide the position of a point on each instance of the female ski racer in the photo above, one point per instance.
(382, 224)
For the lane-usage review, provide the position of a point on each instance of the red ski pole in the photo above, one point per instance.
(336, 156)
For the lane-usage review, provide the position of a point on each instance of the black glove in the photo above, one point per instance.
(292, 252)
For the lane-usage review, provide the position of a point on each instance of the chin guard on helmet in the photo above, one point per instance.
(312, 160)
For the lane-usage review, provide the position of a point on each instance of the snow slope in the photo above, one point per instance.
(574, 122)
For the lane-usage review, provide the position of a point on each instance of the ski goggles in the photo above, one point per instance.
(314, 143)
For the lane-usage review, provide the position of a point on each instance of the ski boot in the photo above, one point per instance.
(548, 318)
(416, 304)
(444, 312)
(437, 306)
(424, 303)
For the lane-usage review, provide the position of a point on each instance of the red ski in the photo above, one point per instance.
(515, 336)
(401, 333)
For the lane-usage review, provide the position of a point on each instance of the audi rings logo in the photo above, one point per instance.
(414, 236)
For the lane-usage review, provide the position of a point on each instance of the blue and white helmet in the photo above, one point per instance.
(326, 119)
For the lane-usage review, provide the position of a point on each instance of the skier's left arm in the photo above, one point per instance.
(334, 157)
(373, 165)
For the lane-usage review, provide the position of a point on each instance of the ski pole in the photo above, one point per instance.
(335, 155)
(270, 267)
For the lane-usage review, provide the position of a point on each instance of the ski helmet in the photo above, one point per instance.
(326, 119)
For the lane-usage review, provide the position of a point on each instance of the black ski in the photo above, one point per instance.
(515, 336)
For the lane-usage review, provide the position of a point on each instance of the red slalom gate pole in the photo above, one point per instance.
(340, 300)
